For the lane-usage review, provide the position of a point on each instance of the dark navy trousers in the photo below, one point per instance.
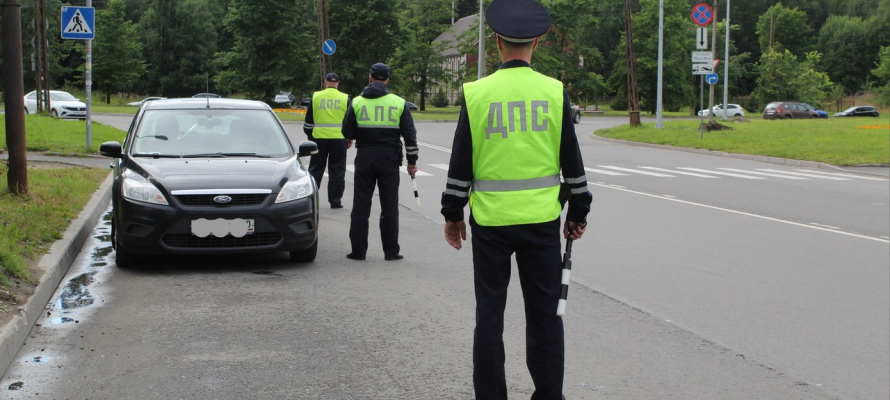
(333, 153)
(539, 263)
(376, 168)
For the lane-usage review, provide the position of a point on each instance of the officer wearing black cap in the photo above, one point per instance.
(323, 125)
(514, 137)
(379, 121)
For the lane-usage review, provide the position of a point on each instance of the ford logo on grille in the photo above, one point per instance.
(222, 199)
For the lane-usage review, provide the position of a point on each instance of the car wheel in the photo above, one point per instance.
(54, 113)
(577, 118)
(787, 117)
(307, 255)
(122, 258)
(813, 116)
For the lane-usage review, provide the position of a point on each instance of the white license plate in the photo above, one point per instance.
(219, 227)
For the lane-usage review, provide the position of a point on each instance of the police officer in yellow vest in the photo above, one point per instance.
(514, 136)
(379, 121)
(323, 123)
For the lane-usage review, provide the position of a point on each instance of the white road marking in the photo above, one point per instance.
(600, 171)
(669, 196)
(439, 166)
(824, 226)
(868, 178)
(882, 239)
(721, 173)
(808, 175)
(351, 168)
(681, 172)
(637, 171)
(764, 173)
(432, 146)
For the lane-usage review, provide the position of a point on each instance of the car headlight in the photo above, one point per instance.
(139, 189)
(294, 190)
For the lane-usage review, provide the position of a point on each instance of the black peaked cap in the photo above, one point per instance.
(518, 20)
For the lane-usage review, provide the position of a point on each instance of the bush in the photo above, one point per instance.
(459, 99)
(619, 103)
(439, 100)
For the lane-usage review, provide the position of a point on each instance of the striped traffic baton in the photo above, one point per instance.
(416, 196)
(566, 272)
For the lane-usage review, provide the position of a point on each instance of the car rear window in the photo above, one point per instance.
(187, 132)
(773, 105)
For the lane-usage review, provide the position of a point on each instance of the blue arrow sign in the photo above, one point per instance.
(329, 47)
(78, 23)
(711, 78)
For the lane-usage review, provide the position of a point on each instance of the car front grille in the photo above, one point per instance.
(192, 242)
(206, 200)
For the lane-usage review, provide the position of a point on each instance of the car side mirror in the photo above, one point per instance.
(110, 149)
(308, 148)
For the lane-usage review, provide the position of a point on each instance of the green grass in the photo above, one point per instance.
(45, 134)
(837, 141)
(29, 223)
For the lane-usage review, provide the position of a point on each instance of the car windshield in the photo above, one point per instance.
(61, 96)
(851, 109)
(211, 132)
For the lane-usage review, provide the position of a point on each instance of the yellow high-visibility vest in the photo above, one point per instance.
(328, 110)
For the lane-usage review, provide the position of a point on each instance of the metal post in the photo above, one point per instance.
(726, 64)
(659, 92)
(89, 84)
(701, 105)
(13, 96)
(481, 62)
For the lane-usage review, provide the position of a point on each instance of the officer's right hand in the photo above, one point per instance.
(455, 232)
(574, 230)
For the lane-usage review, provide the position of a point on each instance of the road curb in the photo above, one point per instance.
(772, 160)
(54, 265)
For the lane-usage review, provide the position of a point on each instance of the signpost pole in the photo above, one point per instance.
(726, 63)
(659, 91)
(89, 84)
(701, 105)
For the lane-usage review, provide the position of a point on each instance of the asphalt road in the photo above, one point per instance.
(692, 284)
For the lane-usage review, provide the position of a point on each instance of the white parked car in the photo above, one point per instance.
(735, 110)
(62, 105)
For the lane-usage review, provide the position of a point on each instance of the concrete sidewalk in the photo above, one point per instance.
(53, 266)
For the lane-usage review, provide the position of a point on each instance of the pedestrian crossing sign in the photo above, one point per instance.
(78, 23)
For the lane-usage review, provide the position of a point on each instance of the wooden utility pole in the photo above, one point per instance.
(632, 99)
(324, 33)
(13, 95)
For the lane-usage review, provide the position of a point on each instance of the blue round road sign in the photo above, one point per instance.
(328, 47)
(711, 78)
(702, 14)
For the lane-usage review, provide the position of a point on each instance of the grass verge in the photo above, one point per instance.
(62, 136)
(837, 141)
(29, 223)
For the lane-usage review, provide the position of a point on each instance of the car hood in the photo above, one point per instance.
(219, 173)
(62, 103)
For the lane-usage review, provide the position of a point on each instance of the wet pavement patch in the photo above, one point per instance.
(16, 385)
(40, 359)
(75, 293)
(61, 320)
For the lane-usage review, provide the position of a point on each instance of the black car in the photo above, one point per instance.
(411, 106)
(210, 176)
(860, 111)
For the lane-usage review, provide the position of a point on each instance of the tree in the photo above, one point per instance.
(565, 55)
(790, 31)
(418, 61)
(882, 72)
(366, 32)
(678, 39)
(179, 43)
(783, 77)
(846, 51)
(267, 58)
(117, 54)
